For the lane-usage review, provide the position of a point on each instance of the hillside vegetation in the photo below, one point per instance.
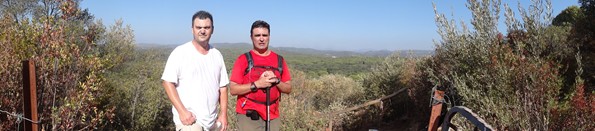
(532, 78)
(72, 53)
(536, 75)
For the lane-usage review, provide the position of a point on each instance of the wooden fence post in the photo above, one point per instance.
(30, 95)
(436, 110)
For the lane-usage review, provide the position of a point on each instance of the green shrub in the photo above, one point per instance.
(61, 39)
(311, 100)
(134, 91)
(514, 82)
(393, 74)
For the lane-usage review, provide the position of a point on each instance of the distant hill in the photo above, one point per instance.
(152, 45)
(243, 47)
(312, 62)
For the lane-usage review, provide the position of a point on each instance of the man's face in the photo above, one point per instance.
(260, 38)
(202, 30)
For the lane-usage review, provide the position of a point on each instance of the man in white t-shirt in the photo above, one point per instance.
(195, 80)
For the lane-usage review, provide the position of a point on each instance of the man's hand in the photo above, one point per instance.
(187, 117)
(223, 120)
(266, 80)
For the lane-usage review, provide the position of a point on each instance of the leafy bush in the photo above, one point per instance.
(568, 16)
(134, 90)
(583, 35)
(62, 40)
(395, 73)
(499, 77)
(311, 100)
(579, 110)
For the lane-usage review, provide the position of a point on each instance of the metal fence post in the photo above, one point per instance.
(30, 95)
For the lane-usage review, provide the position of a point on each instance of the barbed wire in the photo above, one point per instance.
(20, 117)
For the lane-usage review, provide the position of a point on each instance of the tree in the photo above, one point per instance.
(588, 7)
(62, 39)
(568, 16)
(583, 33)
(134, 89)
(498, 78)
(17, 9)
(579, 109)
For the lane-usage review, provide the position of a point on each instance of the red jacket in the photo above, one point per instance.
(240, 76)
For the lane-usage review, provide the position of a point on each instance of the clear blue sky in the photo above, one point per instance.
(357, 25)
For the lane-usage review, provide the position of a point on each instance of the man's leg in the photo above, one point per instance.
(276, 124)
(244, 123)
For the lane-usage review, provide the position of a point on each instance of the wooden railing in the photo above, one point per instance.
(437, 102)
(479, 123)
(372, 102)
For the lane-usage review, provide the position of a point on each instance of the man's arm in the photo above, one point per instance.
(264, 81)
(223, 105)
(284, 87)
(186, 116)
(238, 89)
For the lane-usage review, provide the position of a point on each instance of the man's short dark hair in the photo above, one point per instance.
(260, 24)
(202, 15)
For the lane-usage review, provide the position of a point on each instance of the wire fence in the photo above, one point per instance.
(20, 117)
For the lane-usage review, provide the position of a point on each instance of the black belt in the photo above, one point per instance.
(264, 103)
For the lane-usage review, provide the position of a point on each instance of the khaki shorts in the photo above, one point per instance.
(197, 127)
(244, 123)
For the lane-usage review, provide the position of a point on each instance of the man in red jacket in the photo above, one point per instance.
(254, 72)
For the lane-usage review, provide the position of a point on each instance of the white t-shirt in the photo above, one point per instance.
(197, 78)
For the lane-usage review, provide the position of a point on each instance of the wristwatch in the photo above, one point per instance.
(253, 87)
(278, 81)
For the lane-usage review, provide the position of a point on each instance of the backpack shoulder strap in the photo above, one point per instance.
(280, 64)
(250, 62)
